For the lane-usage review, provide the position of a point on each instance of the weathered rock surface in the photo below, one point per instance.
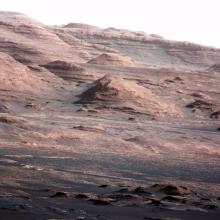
(106, 124)
(113, 60)
(65, 70)
(152, 50)
(116, 93)
(15, 76)
(20, 36)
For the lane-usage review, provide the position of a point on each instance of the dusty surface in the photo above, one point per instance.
(106, 124)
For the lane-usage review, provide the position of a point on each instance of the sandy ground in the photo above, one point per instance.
(92, 159)
(106, 125)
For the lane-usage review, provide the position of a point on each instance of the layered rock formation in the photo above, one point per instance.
(113, 92)
(65, 70)
(15, 76)
(152, 50)
(93, 117)
(31, 40)
(111, 59)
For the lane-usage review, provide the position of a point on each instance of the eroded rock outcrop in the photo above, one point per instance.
(123, 95)
(111, 59)
(15, 76)
(29, 39)
(215, 68)
(68, 71)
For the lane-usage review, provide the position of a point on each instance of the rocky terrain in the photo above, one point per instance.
(106, 124)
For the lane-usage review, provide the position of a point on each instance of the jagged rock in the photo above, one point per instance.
(113, 92)
(59, 194)
(170, 189)
(200, 104)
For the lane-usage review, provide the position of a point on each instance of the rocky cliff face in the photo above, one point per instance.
(26, 39)
(150, 50)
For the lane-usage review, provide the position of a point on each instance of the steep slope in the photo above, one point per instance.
(24, 38)
(152, 50)
(30, 41)
(16, 77)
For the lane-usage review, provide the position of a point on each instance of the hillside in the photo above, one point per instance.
(106, 124)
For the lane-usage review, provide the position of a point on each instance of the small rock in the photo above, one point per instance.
(170, 189)
(131, 119)
(100, 202)
(155, 202)
(215, 115)
(81, 196)
(174, 199)
(178, 78)
(169, 81)
(32, 105)
(123, 190)
(141, 190)
(103, 186)
(59, 194)
(200, 104)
